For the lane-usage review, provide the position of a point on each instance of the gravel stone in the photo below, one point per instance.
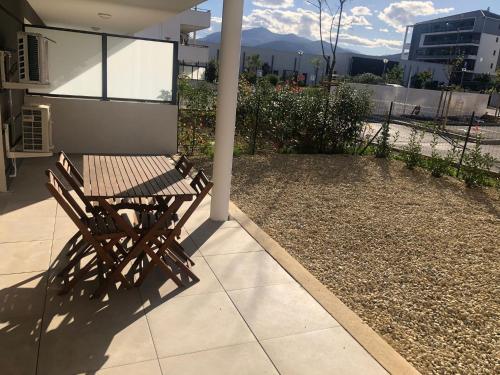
(416, 257)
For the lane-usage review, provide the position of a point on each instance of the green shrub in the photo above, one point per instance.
(437, 164)
(475, 166)
(272, 78)
(367, 78)
(413, 150)
(383, 148)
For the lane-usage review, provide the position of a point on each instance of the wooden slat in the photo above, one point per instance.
(106, 177)
(134, 176)
(145, 180)
(130, 190)
(86, 176)
(159, 176)
(112, 175)
(159, 187)
(139, 176)
(182, 184)
(93, 177)
(121, 186)
(176, 190)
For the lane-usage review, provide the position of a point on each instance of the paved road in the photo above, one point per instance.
(443, 146)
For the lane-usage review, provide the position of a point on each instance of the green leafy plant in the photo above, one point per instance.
(413, 150)
(395, 75)
(383, 148)
(438, 164)
(475, 166)
(368, 78)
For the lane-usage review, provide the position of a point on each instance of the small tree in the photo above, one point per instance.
(211, 72)
(395, 75)
(439, 164)
(413, 150)
(316, 63)
(420, 79)
(254, 63)
(383, 149)
(475, 166)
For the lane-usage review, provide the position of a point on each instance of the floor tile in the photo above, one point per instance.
(141, 368)
(24, 256)
(16, 208)
(247, 270)
(224, 241)
(193, 323)
(297, 311)
(64, 228)
(312, 353)
(83, 335)
(243, 359)
(21, 310)
(157, 289)
(28, 229)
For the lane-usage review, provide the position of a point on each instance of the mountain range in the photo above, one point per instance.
(263, 38)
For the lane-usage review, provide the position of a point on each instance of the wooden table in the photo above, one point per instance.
(139, 177)
(133, 177)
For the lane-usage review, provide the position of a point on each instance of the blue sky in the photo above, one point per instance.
(371, 26)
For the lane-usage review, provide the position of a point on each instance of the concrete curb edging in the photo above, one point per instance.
(375, 345)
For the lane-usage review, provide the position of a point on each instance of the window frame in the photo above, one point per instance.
(104, 56)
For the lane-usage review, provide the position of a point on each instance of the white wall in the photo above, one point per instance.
(193, 54)
(111, 127)
(486, 47)
(462, 103)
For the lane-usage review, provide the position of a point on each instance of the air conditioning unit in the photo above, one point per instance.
(37, 128)
(33, 58)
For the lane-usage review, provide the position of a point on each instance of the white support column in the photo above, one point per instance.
(229, 64)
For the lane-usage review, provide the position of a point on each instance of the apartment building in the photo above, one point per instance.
(473, 35)
(183, 27)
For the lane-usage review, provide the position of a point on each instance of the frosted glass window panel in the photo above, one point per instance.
(75, 63)
(140, 69)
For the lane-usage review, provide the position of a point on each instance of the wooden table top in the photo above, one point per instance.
(133, 176)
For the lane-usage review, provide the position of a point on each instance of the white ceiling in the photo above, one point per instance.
(127, 16)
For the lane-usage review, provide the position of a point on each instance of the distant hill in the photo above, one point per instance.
(263, 38)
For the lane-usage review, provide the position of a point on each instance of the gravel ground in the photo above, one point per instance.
(418, 258)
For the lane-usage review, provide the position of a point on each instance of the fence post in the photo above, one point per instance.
(378, 131)
(255, 129)
(465, 143)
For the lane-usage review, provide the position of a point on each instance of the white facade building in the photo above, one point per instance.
(192, 56)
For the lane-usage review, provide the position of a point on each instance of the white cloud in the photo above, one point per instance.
(386, 30)
(398, 15)
(361, 11)
(305, 23)
(273, 4)
(369, 27)
(298, 21)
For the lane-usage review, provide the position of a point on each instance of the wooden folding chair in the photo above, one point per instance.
(101, 235)
(202, 186)
(184, 166)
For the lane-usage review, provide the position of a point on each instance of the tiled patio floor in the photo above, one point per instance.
(245, 316)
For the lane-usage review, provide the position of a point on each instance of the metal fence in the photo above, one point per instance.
(458, 130)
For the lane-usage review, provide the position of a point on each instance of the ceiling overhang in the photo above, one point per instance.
(127, 16)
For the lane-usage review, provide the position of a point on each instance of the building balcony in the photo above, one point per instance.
(194, 20)
(193, 53)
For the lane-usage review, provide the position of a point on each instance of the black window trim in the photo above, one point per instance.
(104, 95)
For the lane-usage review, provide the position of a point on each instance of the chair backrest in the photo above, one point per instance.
(74, 178)
(184, 166)
(68, 165)
(202, 185)
(201, 182)
(66, 201)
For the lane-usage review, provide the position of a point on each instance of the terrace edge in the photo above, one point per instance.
(372, 342)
